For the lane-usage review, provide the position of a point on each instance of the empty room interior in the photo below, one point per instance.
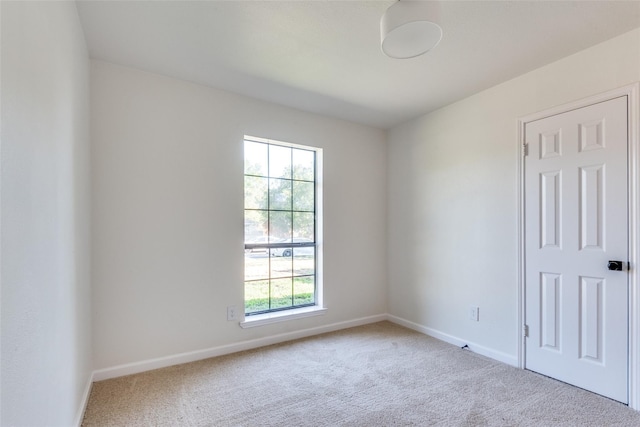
(406, 206)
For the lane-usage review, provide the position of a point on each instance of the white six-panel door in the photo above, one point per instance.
(576, 309)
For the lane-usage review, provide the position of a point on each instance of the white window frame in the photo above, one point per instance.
(318, 308)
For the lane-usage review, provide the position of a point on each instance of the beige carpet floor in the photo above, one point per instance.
(374, 375)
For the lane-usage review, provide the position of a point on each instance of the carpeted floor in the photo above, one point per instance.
(374, 375)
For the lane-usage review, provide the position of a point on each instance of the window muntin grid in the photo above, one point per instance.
(280, 227)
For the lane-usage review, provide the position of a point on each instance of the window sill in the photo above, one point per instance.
(281, 316)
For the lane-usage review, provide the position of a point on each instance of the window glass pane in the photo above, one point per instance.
(303, 196)
(256, 159)
(304, 262)
(255, 192)
(282, 252)
(304, 290)
(281, 293)
(263, 240)
(303, 164)
(279, 208)
(280, 225)
(255, 226)
(303, 225)
(281, 265)
(256, 296)
(280, 194)
(279, 162)
(256, 264)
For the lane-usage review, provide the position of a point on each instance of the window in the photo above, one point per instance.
(280, 226)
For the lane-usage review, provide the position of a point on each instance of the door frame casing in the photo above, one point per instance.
(632, 92)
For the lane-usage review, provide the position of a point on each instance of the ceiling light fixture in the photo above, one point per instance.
(410, 28)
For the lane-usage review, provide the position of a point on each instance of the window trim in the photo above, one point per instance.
(318, 307)
(282, 316)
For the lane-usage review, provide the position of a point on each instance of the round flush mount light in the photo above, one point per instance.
(410, 28)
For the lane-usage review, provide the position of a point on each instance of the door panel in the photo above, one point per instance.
(550, 209)
(550, 311)
(576, 220)
(591, 320)
(591, 206)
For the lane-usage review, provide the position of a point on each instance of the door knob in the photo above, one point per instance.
(615, 265)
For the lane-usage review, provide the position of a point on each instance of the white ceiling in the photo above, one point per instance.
(324, 56)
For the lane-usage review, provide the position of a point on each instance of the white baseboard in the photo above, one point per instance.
(192, 356)
(85, 400)
(476, 348)
(163, 362)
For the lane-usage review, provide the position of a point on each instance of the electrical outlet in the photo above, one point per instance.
(232, 313)
(474, 313)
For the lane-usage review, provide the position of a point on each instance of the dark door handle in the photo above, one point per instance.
(615, 265)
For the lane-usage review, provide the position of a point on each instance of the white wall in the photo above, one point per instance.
(46, 322)
(167, 187)
(453, 197)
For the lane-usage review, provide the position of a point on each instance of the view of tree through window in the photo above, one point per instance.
(279, 227)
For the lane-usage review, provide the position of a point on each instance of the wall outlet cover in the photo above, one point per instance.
(474, 313)
(232, 313)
